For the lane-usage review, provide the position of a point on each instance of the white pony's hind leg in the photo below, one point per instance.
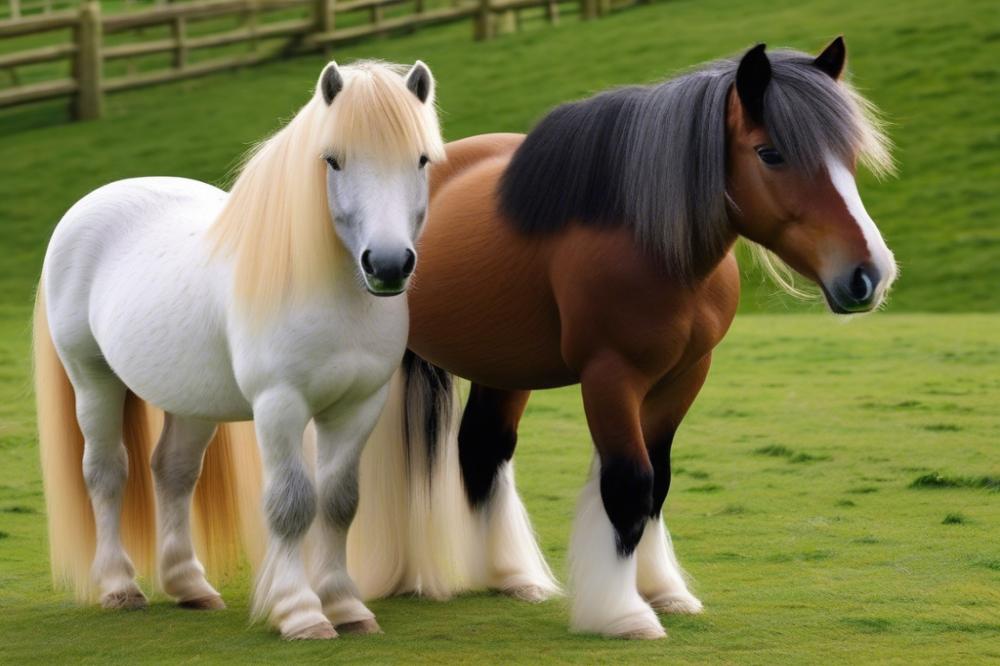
(100, 401)
(516, 564)
(176, 468)
(660, 577)
(604, 595)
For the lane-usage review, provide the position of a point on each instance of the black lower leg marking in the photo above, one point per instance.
(484, 445)
(340, 498)
(627, 492)
(290, 502)
(659, 455)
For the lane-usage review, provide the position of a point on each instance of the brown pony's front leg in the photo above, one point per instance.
(486, 441)
(487, 437)
(660, 577)
(614, 506)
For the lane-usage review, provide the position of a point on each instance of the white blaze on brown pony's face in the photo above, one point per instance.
(816, 222)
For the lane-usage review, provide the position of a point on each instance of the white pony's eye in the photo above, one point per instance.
(423, 161)
(334, 164)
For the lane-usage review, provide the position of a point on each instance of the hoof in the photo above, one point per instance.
(677, 605)
(530, 593)
(211, 602)
(126, 600)
(317, 632)
(650, 633)
(360, 627)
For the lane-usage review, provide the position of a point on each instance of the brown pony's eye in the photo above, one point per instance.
(769, 156)
(423, 161)
(334, 164)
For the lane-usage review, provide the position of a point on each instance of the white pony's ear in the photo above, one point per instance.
(330, 82)
(420, 82)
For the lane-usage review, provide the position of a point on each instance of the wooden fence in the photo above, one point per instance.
(88, 50)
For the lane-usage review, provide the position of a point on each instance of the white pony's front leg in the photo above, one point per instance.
(340, 438)
(283, 593)
(176, 468)
(603, 582)
(660, 577)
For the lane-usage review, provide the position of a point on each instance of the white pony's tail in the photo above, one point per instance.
(228, 522)
(414, 530)
(218, 499)
(72, 535)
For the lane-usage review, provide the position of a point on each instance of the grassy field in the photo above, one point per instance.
(812, 503)
(836, 491)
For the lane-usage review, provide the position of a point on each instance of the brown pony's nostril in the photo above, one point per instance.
(863, 281)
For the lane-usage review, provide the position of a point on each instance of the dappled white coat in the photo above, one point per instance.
(277, 302)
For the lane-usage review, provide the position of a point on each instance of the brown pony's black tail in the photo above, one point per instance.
(430, 392)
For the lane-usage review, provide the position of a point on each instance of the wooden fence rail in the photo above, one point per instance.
(315, 29)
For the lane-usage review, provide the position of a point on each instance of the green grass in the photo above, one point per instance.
(835, 488)
(794, 564)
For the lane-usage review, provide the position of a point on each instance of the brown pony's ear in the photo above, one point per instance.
(831, 60)
(752, 77)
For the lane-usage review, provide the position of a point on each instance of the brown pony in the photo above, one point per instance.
(597, 250)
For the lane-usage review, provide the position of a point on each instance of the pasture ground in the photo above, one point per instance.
(835, 498)
(836, 489)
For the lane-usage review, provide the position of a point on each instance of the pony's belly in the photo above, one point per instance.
(487, 338)
(172, 351)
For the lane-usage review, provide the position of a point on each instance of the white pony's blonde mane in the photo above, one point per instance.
(276, 223)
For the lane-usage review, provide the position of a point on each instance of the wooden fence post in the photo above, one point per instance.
(552, 12)
(323, 16)
(179, 31)
(89, 35)
(505, 22)
(483, 21)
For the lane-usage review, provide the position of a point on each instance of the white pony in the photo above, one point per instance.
(261, 304)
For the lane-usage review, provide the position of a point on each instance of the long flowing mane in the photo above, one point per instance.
(276, 223)
(654, 157)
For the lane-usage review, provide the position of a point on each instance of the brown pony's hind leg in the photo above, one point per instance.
(614, 506)
(486, 442)
(661, 580)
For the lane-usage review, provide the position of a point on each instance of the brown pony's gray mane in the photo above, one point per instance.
(654, 157)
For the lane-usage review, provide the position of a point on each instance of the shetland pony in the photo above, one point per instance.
(270, 303)
(598, 250)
